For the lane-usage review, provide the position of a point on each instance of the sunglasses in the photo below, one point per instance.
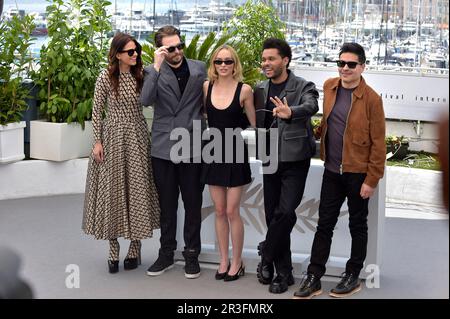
(351, 64)
(220, 62)
(130, 52)
(179, 46)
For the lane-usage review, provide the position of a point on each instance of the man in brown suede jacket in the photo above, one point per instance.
(352, 135)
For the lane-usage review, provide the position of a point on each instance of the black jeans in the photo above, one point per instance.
(170, 179)
(283, 192)
(335, 188)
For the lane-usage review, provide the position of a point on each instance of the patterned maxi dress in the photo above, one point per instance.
(121, 198)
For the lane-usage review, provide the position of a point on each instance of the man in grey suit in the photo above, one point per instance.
(173, 86)
(289, 102)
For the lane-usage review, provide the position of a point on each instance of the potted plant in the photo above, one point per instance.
(15, 39)
(396, 147)
(315, 122)
(69, 66)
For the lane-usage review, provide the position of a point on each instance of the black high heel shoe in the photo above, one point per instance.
(132, 263)
(240, 272)
(222, 275)
(113, 266)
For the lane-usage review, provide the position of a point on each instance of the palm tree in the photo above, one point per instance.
(202, 51)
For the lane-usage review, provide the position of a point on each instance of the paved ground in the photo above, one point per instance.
(46, 233)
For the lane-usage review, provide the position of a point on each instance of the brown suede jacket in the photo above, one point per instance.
(364, 149)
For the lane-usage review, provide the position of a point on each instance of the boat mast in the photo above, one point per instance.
(416, 54)
(304, 16)
(394, 33)
(218, 15)
(171, 10)
(379, 33)
(345, 21)
(359, 15)
(154, 14)
(131, 14)
(325, 24)
(318, 14)
(386, 35)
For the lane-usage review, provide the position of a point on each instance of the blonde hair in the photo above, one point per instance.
(237, 67)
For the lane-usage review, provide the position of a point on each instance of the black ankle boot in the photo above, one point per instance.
(133, 263)
(113, 266)
(348, 286)
(265, 270)
(281, 283)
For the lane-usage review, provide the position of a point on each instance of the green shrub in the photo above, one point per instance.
(252, 23)
(72, 60)
(15, 39)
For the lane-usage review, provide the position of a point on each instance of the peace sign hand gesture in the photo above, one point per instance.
(282, 109)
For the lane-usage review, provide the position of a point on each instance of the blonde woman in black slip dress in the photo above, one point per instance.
(225, 99)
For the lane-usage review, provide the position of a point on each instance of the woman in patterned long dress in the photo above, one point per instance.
(121, 198)
(225, 98)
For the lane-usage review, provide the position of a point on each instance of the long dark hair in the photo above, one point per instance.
(119, 41)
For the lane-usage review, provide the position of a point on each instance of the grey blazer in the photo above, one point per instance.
(171, 109)
(295, 137)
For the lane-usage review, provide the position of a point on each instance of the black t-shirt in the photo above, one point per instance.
(274, 90)
(182, 74)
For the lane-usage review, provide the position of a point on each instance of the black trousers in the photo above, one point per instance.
(283, 192)
(335, 189)
(170, 179)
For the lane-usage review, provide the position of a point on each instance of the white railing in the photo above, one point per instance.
(415, 94)
(373, 67)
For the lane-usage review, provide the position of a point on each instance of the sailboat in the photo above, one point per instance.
(134, 21)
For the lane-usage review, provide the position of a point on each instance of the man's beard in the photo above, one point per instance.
(175, 60)
(276, 73)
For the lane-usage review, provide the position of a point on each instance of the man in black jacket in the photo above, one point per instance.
(285, 103)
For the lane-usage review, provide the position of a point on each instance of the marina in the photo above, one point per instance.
(400, 34)
(406, 46)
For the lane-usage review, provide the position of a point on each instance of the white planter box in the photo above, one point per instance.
(60, 141)
(11, 142)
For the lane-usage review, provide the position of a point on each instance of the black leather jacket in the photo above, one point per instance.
(295, 136)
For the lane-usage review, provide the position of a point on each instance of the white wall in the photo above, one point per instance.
(42, 178)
